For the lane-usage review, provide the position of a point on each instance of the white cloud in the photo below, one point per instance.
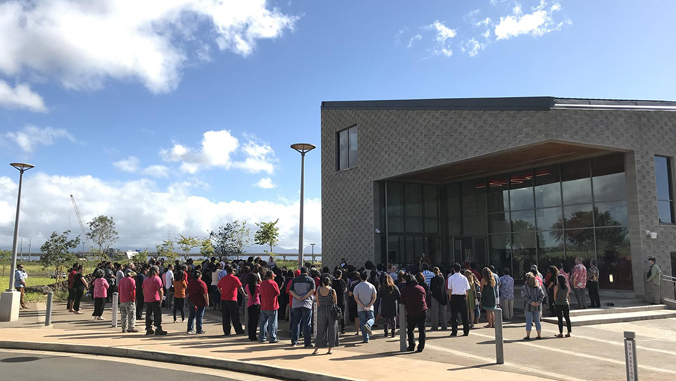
(30, 137)
(84, 43)
(417, 37)
(20, 97)
(143, 213)
(132, 165)
(259, 158)
(536, 23)
(443, 34)
(265, 183)
(472, 47)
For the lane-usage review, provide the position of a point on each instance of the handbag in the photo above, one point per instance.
(336, 312)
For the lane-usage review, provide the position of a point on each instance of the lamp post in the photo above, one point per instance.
(303, 148)
(313, 252)
(9, 300)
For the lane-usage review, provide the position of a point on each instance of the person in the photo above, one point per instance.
(438, 300)
(213, 287)
(20, 276)
(100, 294)
(457, 288)
(179, 287)
(127, 289)
(473, 298)
(327, 326)
(579, 282)
(365, 295)
(507, 294)
(71, 290)
(414, 298)
(79, 286)
(229, 286)
(269, 290)
(593, 284)
(198, 300)
(424, 259)
(654, 278)
(472, 268)
(253, 304)
(352, 303)
(389, 296)
(532, 296)
(340, 287)
(561, 300)
(427, 273)
(140, 303)
(169, 285)
(488, 296)
(302, 291)
(110, 277)
(153, 295)
(550, 283)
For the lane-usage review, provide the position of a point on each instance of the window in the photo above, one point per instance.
(665, 202)
(348, 155)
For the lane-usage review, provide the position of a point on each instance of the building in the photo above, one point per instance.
(504, 181)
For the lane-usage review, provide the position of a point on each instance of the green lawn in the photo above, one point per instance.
(37, 276)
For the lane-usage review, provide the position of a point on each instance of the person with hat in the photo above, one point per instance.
(20, 276)
(654, 278)
(127, 290)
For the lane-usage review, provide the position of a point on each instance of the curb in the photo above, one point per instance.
(191, 360)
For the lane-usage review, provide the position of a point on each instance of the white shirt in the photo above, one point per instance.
(458, 284)
(168, 279)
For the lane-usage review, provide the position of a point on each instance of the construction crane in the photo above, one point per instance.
(85, 239)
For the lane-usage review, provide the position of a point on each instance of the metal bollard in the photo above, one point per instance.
(114, 309)
(402, 328)
(499, 341)
(630, 355)
(245, 301)
(48, 314)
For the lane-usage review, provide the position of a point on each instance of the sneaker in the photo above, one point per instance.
(420, 349)
(201, 332)
(191, 332)
(101, 318)
(175, 320)
(367, 328)
(150, 332)
(133, 330)
(160, 332)
(78, 312)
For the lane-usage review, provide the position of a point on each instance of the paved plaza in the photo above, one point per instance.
(593, 353)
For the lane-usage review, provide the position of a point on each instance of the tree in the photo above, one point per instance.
(207, 248)
(267, 234)
(186, 244)
(102, 232)
(231, 239)
(56, 254)
(5, 257)
(141, 257)
(241, 238)
(166, 250)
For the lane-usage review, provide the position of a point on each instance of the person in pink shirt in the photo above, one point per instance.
(100, 294)
(127, 290)
(153, 295)
(253, 304)
(578, 279)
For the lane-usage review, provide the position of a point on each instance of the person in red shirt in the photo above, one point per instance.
(152, 295)
(228, 286)
(71, 290)
(127, 290)
(269, 306)
(198, 298)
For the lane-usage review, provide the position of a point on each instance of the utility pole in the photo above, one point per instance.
(30, 243)
(21, 250)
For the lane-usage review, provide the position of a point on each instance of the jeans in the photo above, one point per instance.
(507, 306)
(365, 318)
(594, 294)
(438, 313)
(170, 297)
(195, 313)
(268, 325)
(530, 317)
(579, 296)
(153, 309)
(300, 319)
(128, 315)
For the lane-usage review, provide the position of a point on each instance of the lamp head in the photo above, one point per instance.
(303, 147)
(22, 166)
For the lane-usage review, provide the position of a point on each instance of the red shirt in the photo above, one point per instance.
(151, 289)
(476, 273)
(269, 294)
(288, 288)
(71, 278)
(127, 289)
(196, 291)
(228, 286)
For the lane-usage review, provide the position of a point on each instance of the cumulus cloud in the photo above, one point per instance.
(265, 183)
(30, 137)
(20, 97)
(144, 214)
(84, 43)
(536, 23)
(472, 47)
(133, 165)
(443, 34)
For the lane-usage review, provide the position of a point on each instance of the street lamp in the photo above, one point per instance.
(313, 252)
(9, 302)
(303, 148)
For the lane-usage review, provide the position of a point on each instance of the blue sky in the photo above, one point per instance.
(112, 100)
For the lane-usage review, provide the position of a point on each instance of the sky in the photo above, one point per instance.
(177, 116)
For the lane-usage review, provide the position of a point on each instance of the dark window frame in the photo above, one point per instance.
(338, 153)
(670, 190)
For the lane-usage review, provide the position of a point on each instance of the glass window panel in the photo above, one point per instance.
(579, 243)
(453, 200)
(454, 226)
(419, 246)
(523, 221)
(414, 225)
(498, 193)
(614, 258)
(410, 250)
(611, 214)
(394, 253)
(610, 183)
(662, 178)
(473, 198)
(578, 216)
(521, 190)
(396, 224)
(474, 225)
(523, 248)
(413, 200)
(500, 251)
(342, 150)
(480, 249)
(498, 223)
(431, 201)
(549, 218)
(354, 153)
(431, 225)
(395, 199)
(547, 186)
(550, 249)
(664, 209)
(576, 182)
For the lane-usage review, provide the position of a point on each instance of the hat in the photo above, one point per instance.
(131, 274)
(296, 273)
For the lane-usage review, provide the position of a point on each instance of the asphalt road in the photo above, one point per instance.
(39, 366)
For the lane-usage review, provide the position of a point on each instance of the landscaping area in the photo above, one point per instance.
(37, 276)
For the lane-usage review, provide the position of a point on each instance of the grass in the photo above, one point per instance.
(37, 276)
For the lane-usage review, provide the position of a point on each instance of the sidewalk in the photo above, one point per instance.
(79, 333)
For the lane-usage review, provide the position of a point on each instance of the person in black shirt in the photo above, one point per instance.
(79, 286)
(339, 286)
(438, 300)
(140, 277)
